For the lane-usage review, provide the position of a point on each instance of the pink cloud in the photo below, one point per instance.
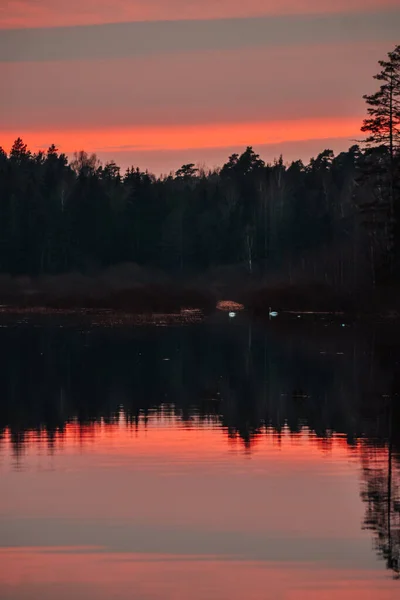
(217, 87)
(48, 13)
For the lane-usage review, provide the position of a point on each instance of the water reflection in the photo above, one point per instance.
(381, 493)
(199, 391)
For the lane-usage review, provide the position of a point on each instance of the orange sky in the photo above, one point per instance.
(213, 135)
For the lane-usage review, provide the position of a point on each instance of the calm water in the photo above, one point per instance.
(223, 460)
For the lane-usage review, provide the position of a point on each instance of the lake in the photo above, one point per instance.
(226, 459)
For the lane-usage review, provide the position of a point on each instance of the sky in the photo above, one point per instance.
(157, 84)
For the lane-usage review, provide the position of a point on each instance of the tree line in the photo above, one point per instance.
(335, 219)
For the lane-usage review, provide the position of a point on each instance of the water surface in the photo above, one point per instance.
(222, 460)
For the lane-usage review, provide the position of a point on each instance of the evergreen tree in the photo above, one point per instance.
(383, 129)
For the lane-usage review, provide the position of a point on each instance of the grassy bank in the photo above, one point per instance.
(126, 288)
(131, 289)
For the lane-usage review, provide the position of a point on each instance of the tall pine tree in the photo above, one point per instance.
(383, 128)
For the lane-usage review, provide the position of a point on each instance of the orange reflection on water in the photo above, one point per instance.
(167, 509)
(197, 440)
(65, 574)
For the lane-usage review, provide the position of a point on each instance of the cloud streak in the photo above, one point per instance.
(49, 13)
(140, 39)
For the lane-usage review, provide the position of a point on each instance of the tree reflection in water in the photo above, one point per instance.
(250, 379)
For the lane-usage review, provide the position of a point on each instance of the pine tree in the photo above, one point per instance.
(383, 127)
(383, 123)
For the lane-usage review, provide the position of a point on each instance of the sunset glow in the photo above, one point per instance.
(131, 80)
(215, 135)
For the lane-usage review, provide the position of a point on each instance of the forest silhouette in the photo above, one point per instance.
(332, 222)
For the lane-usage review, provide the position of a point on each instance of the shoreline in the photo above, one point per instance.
(75, 294)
